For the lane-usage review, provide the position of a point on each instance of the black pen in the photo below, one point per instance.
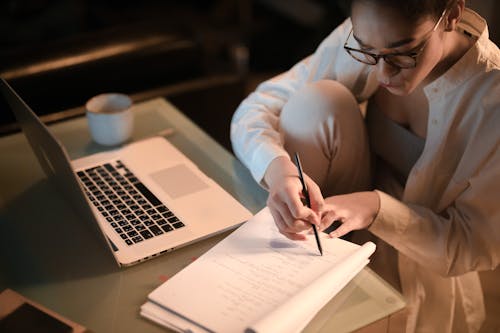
(308, 199)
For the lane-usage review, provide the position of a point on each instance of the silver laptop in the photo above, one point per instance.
(145, 198)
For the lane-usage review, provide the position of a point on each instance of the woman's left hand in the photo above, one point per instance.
(355, 211)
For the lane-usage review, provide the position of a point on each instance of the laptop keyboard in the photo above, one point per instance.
(130, 208)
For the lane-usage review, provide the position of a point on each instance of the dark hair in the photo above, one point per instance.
(412, 9)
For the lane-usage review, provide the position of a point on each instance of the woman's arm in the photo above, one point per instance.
(255, 134)
(464, 237)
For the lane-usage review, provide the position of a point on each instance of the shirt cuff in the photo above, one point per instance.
(261, 160)
(392, 219)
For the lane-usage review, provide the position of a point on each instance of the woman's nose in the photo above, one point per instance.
(385, 71)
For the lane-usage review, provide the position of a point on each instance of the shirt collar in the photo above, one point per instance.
(470, 62)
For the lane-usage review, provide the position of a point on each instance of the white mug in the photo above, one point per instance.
(110, 118)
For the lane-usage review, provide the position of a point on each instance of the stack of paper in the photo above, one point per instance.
(256, 280)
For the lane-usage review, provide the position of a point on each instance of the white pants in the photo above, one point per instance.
(324, 124)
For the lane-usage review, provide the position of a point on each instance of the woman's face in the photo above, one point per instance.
(382, 30)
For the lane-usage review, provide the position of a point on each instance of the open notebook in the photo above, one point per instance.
(256, 280)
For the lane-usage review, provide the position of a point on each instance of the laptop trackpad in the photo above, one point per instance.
(178, 181)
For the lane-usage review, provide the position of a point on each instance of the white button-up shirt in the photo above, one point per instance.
(446, 225)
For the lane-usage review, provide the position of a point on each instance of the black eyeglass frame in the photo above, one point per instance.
(387, 57)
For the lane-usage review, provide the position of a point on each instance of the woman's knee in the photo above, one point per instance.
(323, 122)
(317, 103)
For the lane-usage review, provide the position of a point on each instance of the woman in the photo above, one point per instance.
(432, 191)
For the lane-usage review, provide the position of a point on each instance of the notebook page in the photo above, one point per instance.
(304, 305)
(246, 276)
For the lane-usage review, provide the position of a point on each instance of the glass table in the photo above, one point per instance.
(49, 254)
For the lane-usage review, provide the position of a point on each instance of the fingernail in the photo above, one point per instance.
(332, 234)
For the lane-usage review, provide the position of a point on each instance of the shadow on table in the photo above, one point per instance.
(42, 240)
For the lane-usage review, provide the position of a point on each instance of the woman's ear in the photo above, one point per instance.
(454, 15)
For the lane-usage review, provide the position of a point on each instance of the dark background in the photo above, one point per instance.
(204, 56)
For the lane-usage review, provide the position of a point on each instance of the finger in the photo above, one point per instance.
(341, 231)
(283, 229)
(327, 219)
(316, 197)
(294, 236)
(289, 195)
(296, 207)
(303, 213)
(285, 213)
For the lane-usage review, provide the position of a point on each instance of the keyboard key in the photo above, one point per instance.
(173, 219)
(161, 222)
(123, 236)
(156, 230)
(137, 239)
(167, 228)
(178, 225)
(129, 242)
(109, 167)
(140, 227)
(168, 214)
(162, 209)
(147, 193)
(132, 233)
(146, 234)
(149, 223)
(127, 228)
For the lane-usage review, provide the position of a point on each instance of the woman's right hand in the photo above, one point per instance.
(285, 199)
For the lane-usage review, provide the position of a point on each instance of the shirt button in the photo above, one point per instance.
(435, 90)
(434, 121)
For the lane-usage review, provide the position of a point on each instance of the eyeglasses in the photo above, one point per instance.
(400, 60)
